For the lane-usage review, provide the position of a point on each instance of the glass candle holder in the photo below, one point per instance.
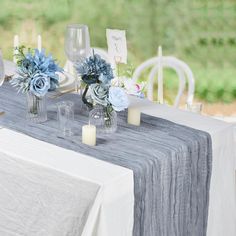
(65, 116)
(194, 107)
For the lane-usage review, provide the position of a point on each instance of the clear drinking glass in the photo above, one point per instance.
(2, 73)
(65, 115)
(194, 107)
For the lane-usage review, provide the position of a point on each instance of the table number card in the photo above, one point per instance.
(117, 46)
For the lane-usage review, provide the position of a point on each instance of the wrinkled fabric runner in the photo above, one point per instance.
(171, 163)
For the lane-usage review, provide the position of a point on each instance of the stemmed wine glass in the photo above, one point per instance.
(77, 45)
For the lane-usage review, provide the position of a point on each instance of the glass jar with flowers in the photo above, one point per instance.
(36, 75)
(99, 95)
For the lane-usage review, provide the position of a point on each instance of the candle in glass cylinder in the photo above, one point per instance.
(134, 116)
(89, 135)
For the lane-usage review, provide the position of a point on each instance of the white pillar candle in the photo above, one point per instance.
(15, 46)
(89, 135)
(134, 116)
(39, 43)
(160, 76)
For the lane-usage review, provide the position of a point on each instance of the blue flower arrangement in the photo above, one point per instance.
(37, 73)
(97, 74)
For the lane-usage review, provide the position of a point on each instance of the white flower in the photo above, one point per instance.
(133, 88)
(118, 98)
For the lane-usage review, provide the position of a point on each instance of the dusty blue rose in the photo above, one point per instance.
(99, 94)
(39, 85)
(118, 98)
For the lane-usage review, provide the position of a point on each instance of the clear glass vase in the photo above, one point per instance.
(104, 120)
(36, 108)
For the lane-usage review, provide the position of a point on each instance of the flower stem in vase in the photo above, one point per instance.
(34, 106)
(107, 113)
(85, 101)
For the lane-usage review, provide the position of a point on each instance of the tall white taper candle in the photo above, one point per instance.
(39, 43)
(160, 76)
(15, 46)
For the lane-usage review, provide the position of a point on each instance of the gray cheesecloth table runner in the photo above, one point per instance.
(171, 163)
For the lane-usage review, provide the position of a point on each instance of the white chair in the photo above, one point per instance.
(103, 53)
(2, 71)
(183, 72)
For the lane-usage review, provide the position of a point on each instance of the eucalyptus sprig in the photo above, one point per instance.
(20, 54)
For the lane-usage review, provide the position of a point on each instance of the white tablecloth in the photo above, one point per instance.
(110, 186)
(222, 209)
(47, 190)
(93, 194)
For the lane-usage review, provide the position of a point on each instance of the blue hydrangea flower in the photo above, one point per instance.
(47, 65)
(94, 70)
(104, 79)
(118, 98)
(39, 85)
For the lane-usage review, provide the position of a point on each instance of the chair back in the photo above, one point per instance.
(2, 71)
(181, 68)
(101, 52)
(104, 55)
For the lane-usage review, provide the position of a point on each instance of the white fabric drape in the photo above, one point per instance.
(222, 207)
(56, 192)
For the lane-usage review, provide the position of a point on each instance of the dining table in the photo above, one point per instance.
(57, 187)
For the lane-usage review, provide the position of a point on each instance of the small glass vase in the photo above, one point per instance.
(36, 108)
(105, 122)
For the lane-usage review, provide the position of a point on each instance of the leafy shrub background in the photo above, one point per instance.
(200, 32)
